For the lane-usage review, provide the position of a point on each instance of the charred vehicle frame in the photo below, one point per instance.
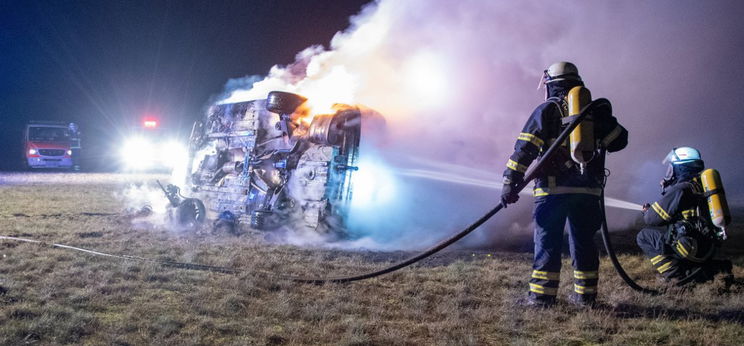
(270, 163)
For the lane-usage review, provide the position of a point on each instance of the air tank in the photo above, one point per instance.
(717, 204)
(581, 139)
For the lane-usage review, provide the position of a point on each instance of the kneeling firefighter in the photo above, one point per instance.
(694, 210)
(569, 188)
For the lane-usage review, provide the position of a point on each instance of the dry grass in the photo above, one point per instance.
(49, 296)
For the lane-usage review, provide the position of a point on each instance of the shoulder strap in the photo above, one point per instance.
(558, 102)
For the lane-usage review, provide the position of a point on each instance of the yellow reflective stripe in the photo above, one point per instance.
(583, 275)
(659, 210)
(612, 135)
(664, 267)
(516, 166)
(585, 289)
(539, 289)
(567, 189)
(542, 275)
(657, 259)
(689, 213)
(682, 250)
(528, 137)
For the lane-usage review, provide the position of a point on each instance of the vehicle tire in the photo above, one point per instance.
(322, 130)
(281, 102)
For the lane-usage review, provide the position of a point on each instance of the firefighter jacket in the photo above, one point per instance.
(681, 201)
(562, 175)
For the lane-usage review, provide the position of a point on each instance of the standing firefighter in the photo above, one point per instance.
(693, 208)
(569, 187)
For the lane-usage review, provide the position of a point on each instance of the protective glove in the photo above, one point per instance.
(646, 206)
(509, 195)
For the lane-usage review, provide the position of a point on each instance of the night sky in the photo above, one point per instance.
(105, 64)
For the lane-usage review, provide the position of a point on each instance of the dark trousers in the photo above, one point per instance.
(653, 243)
(584, 217)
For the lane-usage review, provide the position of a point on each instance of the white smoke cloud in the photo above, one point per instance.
(146, 204)
(456, 82)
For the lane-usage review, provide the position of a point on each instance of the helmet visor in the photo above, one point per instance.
(543, 80)
(682, 155)
(671, 157)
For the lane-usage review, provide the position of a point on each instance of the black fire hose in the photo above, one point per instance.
(529, 176)
(613, 258)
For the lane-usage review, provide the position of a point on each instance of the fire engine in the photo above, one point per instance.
(50, 144)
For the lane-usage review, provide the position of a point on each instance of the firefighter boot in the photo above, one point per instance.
(582, 300)
(532, 301)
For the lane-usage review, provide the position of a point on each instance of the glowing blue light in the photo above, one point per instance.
(374, 185)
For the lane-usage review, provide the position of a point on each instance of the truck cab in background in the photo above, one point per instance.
(48, 144)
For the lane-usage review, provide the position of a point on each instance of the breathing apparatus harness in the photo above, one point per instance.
(694, 237)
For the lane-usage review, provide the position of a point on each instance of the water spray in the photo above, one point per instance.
(457, 178)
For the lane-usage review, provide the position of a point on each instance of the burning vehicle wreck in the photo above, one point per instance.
(270, 163)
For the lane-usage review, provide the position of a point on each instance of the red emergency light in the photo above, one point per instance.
(150, 124)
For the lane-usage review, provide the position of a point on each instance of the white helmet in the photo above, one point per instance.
(560, 71)
(682, 155)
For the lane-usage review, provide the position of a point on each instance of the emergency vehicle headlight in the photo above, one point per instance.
(32, 151)
(136, 152)
(69, 152)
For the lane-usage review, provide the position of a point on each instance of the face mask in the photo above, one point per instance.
(669, 178)
(542, 84)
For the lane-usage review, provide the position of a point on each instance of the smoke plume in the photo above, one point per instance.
(456, 82)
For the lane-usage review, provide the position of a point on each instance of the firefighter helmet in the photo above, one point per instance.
(682, 155)
(560, 71)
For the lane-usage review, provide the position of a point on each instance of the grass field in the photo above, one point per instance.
(52, 296)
